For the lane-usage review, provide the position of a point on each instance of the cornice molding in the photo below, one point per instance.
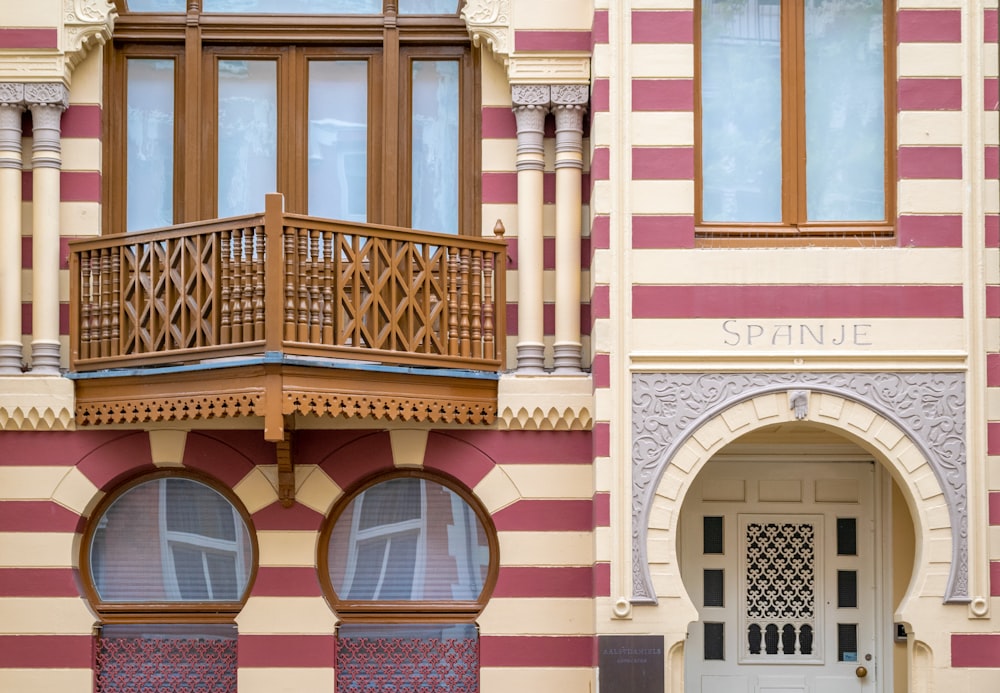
(82, 24)
(488, 23)
(36, 404)
(545, 403)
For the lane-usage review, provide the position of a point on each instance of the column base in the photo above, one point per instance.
(567, 358)
(11, 360)
(45, 358)
(530, 358)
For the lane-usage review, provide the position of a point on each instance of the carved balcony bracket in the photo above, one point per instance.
(286, 467)
(488, 22)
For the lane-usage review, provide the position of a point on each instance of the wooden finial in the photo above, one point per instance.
(498, 229)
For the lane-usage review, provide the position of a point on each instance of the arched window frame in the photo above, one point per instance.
(398, 611)
(164, 611)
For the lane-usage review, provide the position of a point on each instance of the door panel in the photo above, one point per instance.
(778, 558)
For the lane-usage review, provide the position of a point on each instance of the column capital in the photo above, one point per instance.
(54, 94)
(577, 95)
(12, 94)
(531, 96)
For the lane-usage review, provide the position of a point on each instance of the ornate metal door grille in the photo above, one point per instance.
(410, 658)
(780, 591)
(166, 659)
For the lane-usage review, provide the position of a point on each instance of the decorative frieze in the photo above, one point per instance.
(929, 408)
(488, 22)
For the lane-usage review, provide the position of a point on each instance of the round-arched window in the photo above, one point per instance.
(409, 544)
(168, 543)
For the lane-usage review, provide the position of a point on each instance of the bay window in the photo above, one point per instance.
(353, 109)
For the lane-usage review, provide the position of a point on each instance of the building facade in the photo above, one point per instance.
(642, 345)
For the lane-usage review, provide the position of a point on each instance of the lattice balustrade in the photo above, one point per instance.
(354, 291)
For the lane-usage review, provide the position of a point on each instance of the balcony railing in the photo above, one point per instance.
(288, 283)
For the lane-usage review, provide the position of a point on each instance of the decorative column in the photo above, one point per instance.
(47, 103)
(531, 104)
(569, 102)
(11, 109)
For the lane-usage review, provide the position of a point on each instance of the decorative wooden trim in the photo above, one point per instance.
(391, 407)
(151, 409)
(286, 468)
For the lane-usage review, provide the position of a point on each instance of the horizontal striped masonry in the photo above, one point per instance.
(548, 253)
(538, 40)
(29, 38)
(548, 319)
(784, 301)
(74, 186)
(975, 650)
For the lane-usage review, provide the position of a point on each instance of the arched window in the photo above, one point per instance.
(167, 562)
(408, 561)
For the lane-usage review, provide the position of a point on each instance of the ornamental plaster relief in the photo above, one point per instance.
(82, 24)
(928, 409)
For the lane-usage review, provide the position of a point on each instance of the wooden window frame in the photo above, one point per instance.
(389, 42)
(166, 611)
(794, 227)
(402, 611)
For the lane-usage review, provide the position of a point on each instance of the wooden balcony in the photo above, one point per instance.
(278, 314)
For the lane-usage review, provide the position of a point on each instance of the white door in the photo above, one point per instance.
(779, 559)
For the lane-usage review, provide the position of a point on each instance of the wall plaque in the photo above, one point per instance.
(632, 663)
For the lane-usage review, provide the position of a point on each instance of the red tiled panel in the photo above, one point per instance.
(600, 369)
(659, 26)
(38, 582)
(36, 516)
(457, 456)
(600, 232)
(81, 120)
(929, 26)
(28, 325)
(994, 502)
(52, 448)
(666, 231)
(29, 38)
(600, 98)
(929, 94)
(552, 41)
(545, 516)
(528, 582)
(600, 302)
(930, 162)
(314, 651)
(993, 301)
(930, 230)
(602, 579)
(602, 439)
(548, 319)
(602, 510)
(991, 161)
(995, 578)
(663, 163)
(599, 27)
(74, 186)
(499, 122)
(531, 651)
(500, 187)
(796, 301)
(991, 93)
(528, 447)
(993, 370)
(120, 458)
(979, 650)
(663, 95)
(28, 256)
(359, 458)
(284, 581)
(993, 448)
(992, 230)
(46, 651)
(990, 34)
(600, 164)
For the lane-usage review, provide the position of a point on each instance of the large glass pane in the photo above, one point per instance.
(434, 162)
(294, 6)
(338, 139)
(170, 539)
(845, 111)
(157, 5)
(408, 539)
(428, 6)
(150, 125)
(248, 134)
(741, 111)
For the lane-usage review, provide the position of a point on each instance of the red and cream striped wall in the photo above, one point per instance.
(536, 632)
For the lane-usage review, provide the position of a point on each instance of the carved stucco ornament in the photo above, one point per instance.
(488, 22)
(667, 408)
(86, 24)
(82, 25)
